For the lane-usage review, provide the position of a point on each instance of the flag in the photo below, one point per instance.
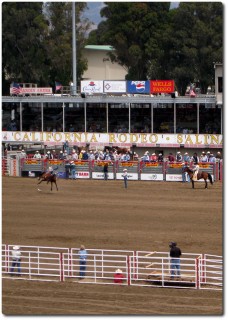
(16, 89)
(192, 93)
(58, 86)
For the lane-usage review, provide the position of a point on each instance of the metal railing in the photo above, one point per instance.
(140, 268)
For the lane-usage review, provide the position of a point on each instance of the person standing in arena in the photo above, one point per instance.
(175, 254)
(106, 171)
(16, 260)
(125, 177)
(82, 261)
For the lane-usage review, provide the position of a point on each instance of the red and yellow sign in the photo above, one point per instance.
(162, 86)
(151, 164)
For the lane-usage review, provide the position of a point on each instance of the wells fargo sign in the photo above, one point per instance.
(162, 86)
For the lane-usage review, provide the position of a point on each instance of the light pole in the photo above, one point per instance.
(74, 57)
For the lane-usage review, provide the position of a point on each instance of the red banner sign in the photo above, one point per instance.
(34, 90)
(162, 86)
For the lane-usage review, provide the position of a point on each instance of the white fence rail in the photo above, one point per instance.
(139, 268)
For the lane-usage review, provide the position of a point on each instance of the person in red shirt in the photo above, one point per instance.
(171, 157)
(153, 157)
(118, 276)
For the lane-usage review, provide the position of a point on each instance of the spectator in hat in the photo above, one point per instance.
(160, 157)
(171, 157)
(74, 155)
(212, 158)
(118, 276)
(82, 261)
(195, 159)
(16, 260)
(135, 156)
(218, 156)
(175, 254)
(125, 177)
(186, 158)
(37, 155)
(203, 157)
(179, 157)
(154, 157)
(48, 155)
(208, 155)
(91, 155)
(146, 157)
(61, 157)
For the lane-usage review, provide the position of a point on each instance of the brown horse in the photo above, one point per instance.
(49, 177)
(200, 175)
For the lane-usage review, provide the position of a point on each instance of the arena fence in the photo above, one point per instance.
(83, 169)
(139, 268)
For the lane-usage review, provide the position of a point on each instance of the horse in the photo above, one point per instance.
(49, 177)
(200, 175)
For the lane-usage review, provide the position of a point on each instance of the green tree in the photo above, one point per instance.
(59, 41)
(193, 42)
(37, 42)
(154, 42)
(134, 29)
(23, 53)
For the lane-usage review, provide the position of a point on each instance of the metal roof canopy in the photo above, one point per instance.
(109, 99)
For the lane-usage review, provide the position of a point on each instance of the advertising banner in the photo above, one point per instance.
(115, 138)
(162, 86)
(115, 86)
(138, 87)
(152, 176)
(91, 87)
(33, 91)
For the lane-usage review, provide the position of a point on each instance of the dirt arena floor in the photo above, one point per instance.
(104, 215)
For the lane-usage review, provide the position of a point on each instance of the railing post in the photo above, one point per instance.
(128, 271)
(70, 262)
(61, 266)
(203, 268)
(7, 257)
(135, 265)
(197, 272)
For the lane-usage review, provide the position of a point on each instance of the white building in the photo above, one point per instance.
(100, 66)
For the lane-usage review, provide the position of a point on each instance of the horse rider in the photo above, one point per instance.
(50, 170)
(195, 171)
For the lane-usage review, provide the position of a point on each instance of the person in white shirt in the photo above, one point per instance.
(74, 155)
(125, 177)
(16, 260)
(37, 155)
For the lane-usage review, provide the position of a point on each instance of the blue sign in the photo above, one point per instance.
(138, 86)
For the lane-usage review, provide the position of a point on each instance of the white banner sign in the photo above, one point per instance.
(115, 86)
(100, 175)
(152, 176)
(91, 87)
(130, 176)
(173, 177)
(140, 139)
(82, 175)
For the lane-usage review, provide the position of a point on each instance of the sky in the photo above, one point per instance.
(93, 11)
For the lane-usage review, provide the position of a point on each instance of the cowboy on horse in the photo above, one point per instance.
(195, 172)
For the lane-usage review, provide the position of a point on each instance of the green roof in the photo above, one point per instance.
(96, 47)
